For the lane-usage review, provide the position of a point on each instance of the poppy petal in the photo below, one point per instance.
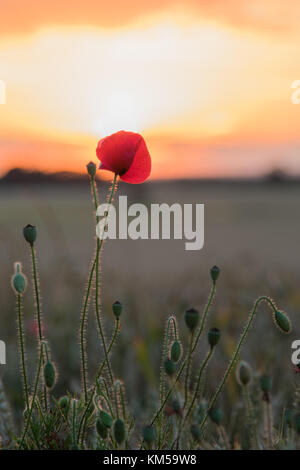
(140, 168)
(116, 152)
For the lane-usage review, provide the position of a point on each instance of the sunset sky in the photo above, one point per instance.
(207, 82)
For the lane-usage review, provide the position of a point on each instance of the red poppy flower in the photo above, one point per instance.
(126, 154)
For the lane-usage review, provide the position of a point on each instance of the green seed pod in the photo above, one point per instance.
(64, 403)
(214, 273)
(216, 415)
(196, 432)
(213, 337)
(289, 417)
(117, 308)
(297, 423)
(119, 430)
(19, 281)
(282, 321)
(176, 405)
(30, 233)
(170, 367)
(175, 351)
(192, 318)
(49, 374)
(102, 430)
(266, 383)
(243, 373)
(106, 419)
(149, 434)
(91, 169)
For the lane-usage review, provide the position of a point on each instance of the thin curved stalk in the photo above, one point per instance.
(236, 353)
(22, 350)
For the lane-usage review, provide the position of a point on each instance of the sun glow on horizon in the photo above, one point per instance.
(186, 81)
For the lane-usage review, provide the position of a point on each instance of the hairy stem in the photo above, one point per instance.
(34, 395)
(236, 353)
(97, 306)
(204, 316)
(22, 350)
(38, 310)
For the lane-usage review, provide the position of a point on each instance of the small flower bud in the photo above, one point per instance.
(266, 383)
(216, 415)
(289, 417)
(30, 233)
(213, 337)
(119, 430)
(243, 373)
(91, 169)
(297, 423)
(170, 367)
(106, 419)
(175, 351)
(214, 273)
(19, 281)
(196, 432)
(177, 407)
(149, 434)
(102, 430)
(282, 321)
(49, 374)
(117, 308)
(192, 318)
(64, 403)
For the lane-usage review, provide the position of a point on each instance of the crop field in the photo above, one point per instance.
(251, 233)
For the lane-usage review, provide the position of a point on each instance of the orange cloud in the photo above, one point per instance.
(19, 16)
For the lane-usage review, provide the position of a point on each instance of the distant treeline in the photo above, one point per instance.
(21, 176)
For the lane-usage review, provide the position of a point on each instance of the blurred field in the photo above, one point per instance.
(251, 232)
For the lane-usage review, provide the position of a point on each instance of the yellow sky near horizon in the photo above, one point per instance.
(209, 89)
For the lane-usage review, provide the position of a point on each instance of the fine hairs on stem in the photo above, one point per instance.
(22, 350)
(170, 334)
(282, 322)
(98, 249)
(83, 418)
(94, 268)
(38, 308)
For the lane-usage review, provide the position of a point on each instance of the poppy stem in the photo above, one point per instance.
(236, 353)
(22, 350)
(114, 337)
(97, 261)
(38, 312)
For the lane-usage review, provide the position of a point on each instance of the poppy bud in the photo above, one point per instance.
(102, 430)
(177, 407)
(117, 308)
(196, 432)
(289, 417)
(216, 415)
(175, 351)
(282, 321)
(192, 318)
(105, 418)
(214, 273)
(149, 434)
(49, 374)
(19, 281)
(297, 423)
(64, 403)
(30, 233)
(91, 169)
(213, 337)
(170, 367)
(266, 383)
(119, 430)
(243, 373)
